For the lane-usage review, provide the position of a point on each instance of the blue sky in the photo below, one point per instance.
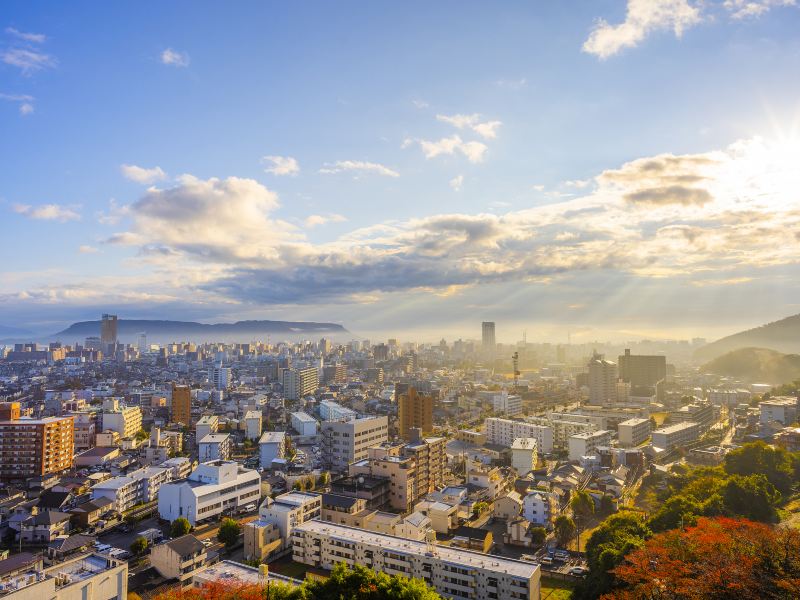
(583, 166)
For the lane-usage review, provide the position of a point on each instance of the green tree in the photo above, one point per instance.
(364, 584)
(179, 527)
(758, 457)
(139, 546)
(676, 511)
(323, 479)
(607, 505)
(478, 508)
(564, 529)
(582, 505)
(229, 531)
(141, 435)
(538, 535)
(618, 535)
(752, 497)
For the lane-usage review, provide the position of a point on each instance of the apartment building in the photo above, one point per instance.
(414, 410)
(137, 487)
(781, 409)
(702, 413)
(215, 446)
(452, 572)
(540, 507)
(565, 425)
(304, 424)
(206, 425)
(503, 432)
(34, 447)
(125, 420)
(507, 404)
(289, 510)
(602, 380)
(271, 445)
(179, 559)
(298, 383)
(252, 424)
(220, 377)
(333, 411)
(212, 488)
(633, 432)
(523, 455)
(430, 454)
(85, 427)
(586, 444)
(182, 404)
(85, 577)
(345, 442)
(386, 462)
(669, 438)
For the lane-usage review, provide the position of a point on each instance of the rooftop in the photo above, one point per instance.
(466, 558)
(228, 570)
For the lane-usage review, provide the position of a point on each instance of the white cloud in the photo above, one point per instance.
(142, 175)
(114, 214)
(27, 60)
(743, 9)
(642, 18)
(85, 249)
(24, 102)
(174, 58)
(420, 103)
(359, 167)
(456, 183)
(578, 183)
(47, 212)
(315, 220)
(472, 150)
(281, 165)
(35, 38)
(485, 129)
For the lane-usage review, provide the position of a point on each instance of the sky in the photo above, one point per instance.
(574, 170)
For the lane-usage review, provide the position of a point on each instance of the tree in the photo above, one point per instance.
(229, 531)
(141, 435)
(564, 528)
(758, 457)
(607, 505)
(618, 535)
(752, 497)
(478, 508)
(139, 546)
(180, 526)
(538, 535)
(717, 558)
(133, 596)
(323, 479)
(676, 512)
(582, 505)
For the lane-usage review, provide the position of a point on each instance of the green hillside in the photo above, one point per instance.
(756, 365)
(783, 336)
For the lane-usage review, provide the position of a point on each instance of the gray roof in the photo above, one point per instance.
(186, 545)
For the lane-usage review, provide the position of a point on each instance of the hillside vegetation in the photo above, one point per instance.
(756, 365)
(783, 336)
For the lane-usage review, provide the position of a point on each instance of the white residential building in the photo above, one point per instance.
(539, 507)
(452, 572)
(206, 425)
(212, 488)
(137, 487)
(252, 424)
(345, 442)
(633, 432)
(668, 438)
(290, 510)
(215, 446)
(220, 377)
(781, 409)
(586, 444)
(301, 382)
(506, 404)
(272, 445)
(304, 424)
(523, 455)
(125, 420)
(503, 432)
(333, 411)
(602, 380)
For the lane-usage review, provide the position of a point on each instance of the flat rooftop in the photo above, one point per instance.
(467, 558)
(676, 427)
(229, 570)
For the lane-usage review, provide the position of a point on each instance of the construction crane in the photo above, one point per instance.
(515, 359)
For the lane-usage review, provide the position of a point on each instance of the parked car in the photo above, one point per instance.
(579, 571)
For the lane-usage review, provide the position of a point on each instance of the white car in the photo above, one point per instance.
(579, 571)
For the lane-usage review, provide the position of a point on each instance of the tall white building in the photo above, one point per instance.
(300, 382)
(212, 488)
(505, 404)
(523, 455)
(602, 380)
(220, 377)
(633, 432)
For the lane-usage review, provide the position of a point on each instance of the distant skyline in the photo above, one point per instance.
(611, 169)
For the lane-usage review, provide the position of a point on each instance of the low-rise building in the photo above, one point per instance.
(272, 445)
(252, 424)
(523, 455)
(780, 409)
(291, 509)
(138, 487)
(179, 559)
(212, 488)
(670, 437)
(304, 424)
(215, 446)
(206, 425)
(586, 444)
(633, 432)
(452, 572)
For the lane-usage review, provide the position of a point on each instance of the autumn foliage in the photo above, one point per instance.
(718, 558)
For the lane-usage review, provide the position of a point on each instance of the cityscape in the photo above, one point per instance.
(418, 301)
